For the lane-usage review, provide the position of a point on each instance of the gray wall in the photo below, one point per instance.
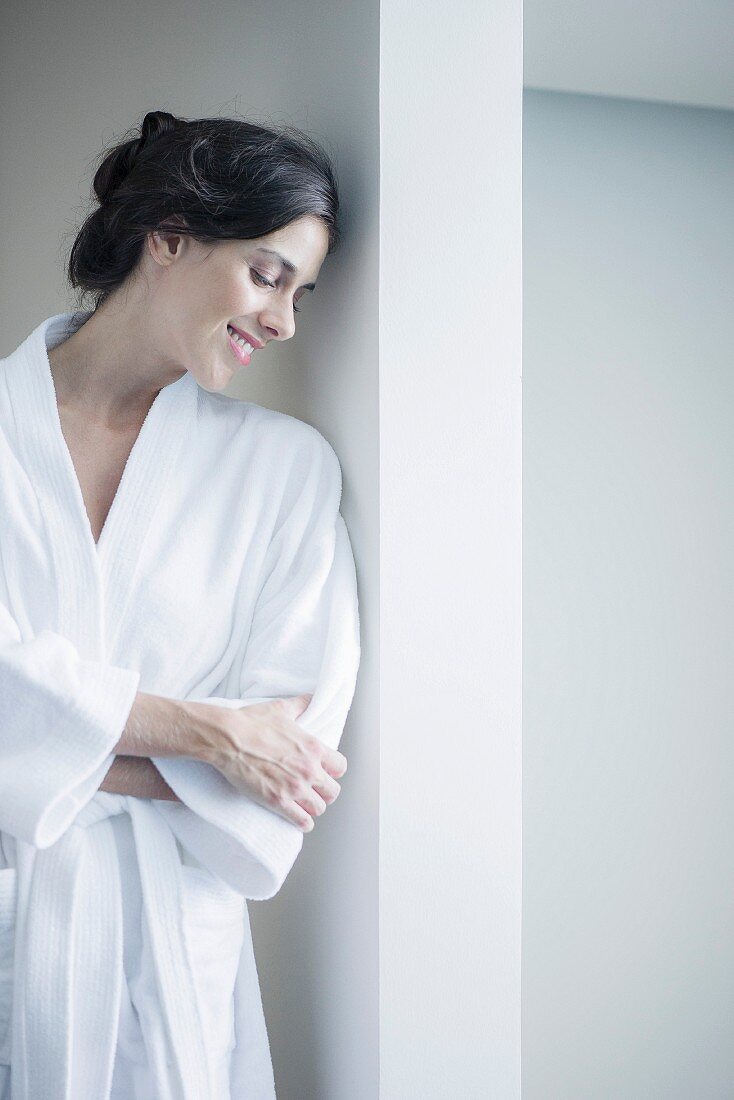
(73, 77)
(628, 392)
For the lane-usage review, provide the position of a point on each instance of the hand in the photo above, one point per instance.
(263, 752)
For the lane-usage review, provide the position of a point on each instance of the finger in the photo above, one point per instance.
(297, 704)
(312, 802)
(334, 762)
(328, 788)
(294, 812)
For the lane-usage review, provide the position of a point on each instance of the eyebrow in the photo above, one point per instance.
(288, 266)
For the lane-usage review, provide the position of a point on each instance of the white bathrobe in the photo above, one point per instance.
(224, 573)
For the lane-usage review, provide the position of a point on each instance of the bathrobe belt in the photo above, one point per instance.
(69, 961)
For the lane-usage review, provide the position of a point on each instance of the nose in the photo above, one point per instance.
(278, 320)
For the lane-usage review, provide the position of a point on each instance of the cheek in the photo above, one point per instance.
(221, 297)
(233, 292)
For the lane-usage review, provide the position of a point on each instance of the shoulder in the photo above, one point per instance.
(279, 439)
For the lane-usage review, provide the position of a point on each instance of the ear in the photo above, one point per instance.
(166, 244)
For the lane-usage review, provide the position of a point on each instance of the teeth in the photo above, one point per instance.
(240, 340)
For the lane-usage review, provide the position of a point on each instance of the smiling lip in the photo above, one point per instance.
(240, 352)
(246, 336)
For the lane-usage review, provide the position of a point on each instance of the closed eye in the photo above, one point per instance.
(265, 282)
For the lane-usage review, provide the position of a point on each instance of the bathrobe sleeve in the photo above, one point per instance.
(60, 717)
(304, 637)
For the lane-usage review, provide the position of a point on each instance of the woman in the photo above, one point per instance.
(179, 634)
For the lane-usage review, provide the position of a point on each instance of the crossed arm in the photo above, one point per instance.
(138, 776)
(155, 725)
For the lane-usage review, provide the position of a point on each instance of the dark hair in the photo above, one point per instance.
(212, 178)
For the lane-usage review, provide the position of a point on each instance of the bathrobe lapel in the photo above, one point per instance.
(81, 917)
(94, 581)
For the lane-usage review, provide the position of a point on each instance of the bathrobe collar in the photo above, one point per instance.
(94, 580)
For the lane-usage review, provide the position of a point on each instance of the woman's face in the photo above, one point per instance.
(257, 286)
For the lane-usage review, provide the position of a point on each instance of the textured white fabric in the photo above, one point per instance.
(224, 573)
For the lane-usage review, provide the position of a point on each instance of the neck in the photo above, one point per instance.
(110, 370)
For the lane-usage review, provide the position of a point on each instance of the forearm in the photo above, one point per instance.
(158, 726)
(137, 776)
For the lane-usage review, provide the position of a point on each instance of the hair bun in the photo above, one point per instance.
(119, 162)
(155, 125)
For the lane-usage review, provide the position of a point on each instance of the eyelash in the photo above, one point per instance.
(296, 309)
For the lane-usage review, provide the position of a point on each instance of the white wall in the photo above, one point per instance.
(73, 77)
(628, 390)
(450, 549)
